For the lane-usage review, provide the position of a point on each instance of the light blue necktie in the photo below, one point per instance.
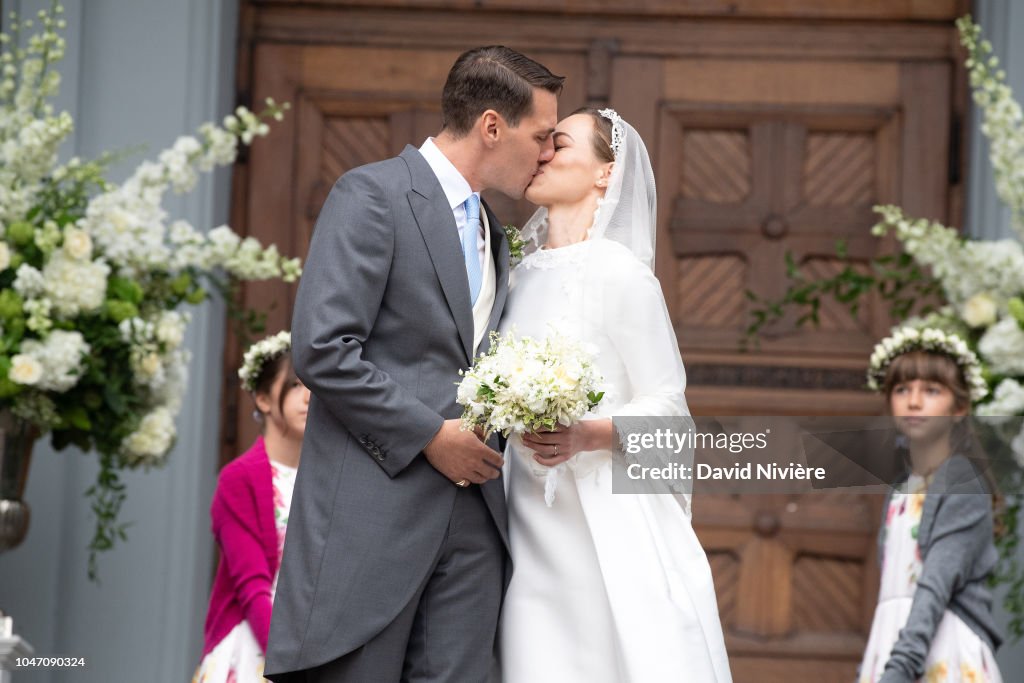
(470, 250)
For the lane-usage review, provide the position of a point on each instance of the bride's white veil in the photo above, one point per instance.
(628, 212)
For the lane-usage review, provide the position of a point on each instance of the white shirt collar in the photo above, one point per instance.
(456, 188)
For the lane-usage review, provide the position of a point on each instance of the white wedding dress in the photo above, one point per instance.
(606, 587)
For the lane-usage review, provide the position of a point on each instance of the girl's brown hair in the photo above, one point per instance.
(270, 371)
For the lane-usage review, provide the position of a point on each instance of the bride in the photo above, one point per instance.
(605, 587)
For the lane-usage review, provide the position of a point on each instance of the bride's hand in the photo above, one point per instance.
(556, 446)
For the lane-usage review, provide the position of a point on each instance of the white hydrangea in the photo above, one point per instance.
(75, 286)
(28, 281)
(1007, 400)
(154, 437)
(1002, 347)
(60, 356)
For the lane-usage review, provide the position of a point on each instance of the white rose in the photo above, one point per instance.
(170, 329)
(77, 244)
(150, 365)
(25, 369)
(5, 256)
(979, 311)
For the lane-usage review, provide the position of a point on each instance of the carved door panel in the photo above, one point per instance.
(755, 159)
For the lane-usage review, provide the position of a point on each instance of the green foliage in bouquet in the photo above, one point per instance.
(95, 279)
(977, 287)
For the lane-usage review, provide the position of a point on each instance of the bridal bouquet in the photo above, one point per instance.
(524, 385)
(94, 276)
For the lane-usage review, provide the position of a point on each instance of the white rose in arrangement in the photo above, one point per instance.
(25, 369)
(77, 244)
(60, 356)
(150, 442)
(170, 329)
(148, 368)
(980, 310)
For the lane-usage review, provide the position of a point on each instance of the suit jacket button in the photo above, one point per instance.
(379, 456)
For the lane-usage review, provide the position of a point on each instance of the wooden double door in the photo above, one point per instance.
(772, 131)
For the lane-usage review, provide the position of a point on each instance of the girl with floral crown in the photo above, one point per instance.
(250, 514)
(933, 621)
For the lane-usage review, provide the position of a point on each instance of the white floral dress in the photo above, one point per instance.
(238, 658)
(957, 654)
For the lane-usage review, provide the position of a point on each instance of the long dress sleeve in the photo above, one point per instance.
(642, 332)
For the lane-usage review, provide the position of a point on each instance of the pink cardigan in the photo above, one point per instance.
(242, 513)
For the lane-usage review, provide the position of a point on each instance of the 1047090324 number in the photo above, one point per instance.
(49, 662)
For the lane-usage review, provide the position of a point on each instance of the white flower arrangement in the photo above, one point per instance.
(525, 385)
(933, 340)
(259, 353)
(93, 276)
(1003, 121)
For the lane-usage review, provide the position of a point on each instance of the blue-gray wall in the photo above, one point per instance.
(136, 72)
(144, 72)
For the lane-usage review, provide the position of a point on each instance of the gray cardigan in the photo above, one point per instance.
(958, 555)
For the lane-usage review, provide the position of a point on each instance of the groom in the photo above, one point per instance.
(394, 566)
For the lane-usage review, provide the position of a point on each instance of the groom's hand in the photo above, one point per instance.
(461, 455)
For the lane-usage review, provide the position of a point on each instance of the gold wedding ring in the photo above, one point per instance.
(462, 483)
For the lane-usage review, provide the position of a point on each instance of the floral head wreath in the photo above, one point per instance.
(618, 131)
(932, 340)
(259, 353)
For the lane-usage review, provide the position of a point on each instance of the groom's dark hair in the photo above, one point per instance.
(493, 77)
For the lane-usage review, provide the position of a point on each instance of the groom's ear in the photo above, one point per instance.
(490, 123)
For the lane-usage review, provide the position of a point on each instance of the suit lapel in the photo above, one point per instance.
(440, 233)
(499, 251)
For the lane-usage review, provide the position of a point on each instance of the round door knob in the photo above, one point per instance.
(774, 227)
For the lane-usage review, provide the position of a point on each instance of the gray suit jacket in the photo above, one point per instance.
(383, 323)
